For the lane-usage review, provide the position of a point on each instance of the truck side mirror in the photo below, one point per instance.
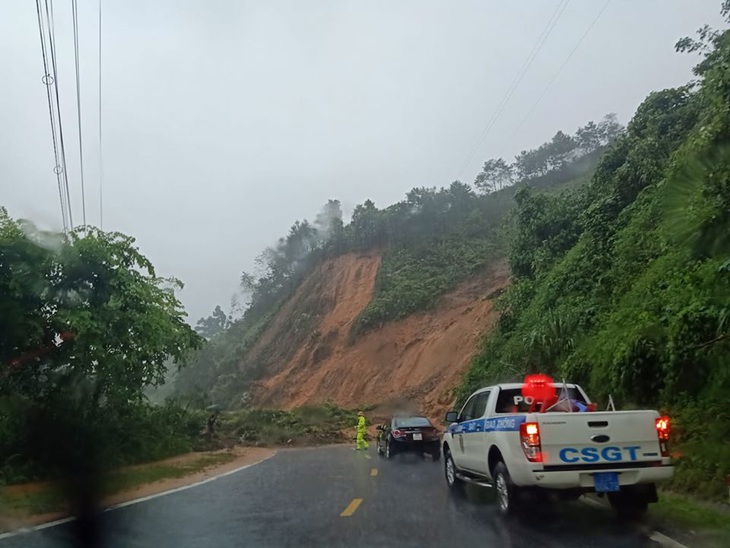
(452, 416)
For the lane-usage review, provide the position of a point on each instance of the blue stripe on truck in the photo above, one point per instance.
(495, 424)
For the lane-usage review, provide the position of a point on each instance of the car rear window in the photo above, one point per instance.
(411, 422)
(510, 401)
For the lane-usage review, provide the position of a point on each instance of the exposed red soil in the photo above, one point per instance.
(416, 361)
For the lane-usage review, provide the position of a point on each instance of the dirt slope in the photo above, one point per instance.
(419, 359)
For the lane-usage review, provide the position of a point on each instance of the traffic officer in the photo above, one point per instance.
(361, 443)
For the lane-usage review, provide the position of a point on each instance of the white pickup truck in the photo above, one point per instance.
(507, 441)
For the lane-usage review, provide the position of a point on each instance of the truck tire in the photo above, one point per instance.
(454, 483)
(507, 493)
(628, 507)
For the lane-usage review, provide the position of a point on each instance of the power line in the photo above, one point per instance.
(75, 15)
(101, 155)
(555, 76)
(544, 35)
(52, 50)
(49, 80)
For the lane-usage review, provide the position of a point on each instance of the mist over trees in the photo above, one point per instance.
(554, 155)
(426, 214)
(430, 241)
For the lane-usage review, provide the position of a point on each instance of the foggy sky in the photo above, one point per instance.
(226, 120)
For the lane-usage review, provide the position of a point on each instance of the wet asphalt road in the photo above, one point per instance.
(296, 497)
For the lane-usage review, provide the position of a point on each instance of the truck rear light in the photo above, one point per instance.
(530, 441)
(662, 430)
(398, 433)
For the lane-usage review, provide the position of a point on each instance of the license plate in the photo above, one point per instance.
(606, 482)
(417, 437)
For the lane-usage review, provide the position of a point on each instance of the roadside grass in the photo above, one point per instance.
(123, 480)
(43, 498)
(697, 523)
(48, 498)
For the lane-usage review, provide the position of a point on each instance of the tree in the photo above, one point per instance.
(365, 224)
(495, 175)
(588, 137)
(213, 324)
(609, 129)
(532, 163)
(559, 151)
(90, 306)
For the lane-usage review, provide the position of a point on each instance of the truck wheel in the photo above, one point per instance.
(454, 483)
(627, 507)
(506, 491)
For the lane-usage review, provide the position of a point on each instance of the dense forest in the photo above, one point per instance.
(623, 284)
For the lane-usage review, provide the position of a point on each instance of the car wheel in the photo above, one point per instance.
(454, 483)
(506, 491)
(436, 455)
(388, 453)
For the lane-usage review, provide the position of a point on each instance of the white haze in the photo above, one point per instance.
(225, 121)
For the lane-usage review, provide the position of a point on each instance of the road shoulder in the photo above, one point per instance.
(182, 471)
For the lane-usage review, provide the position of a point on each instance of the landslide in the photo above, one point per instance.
(307, 353)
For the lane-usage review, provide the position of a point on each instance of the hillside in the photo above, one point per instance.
(419, 359)
(383, 293)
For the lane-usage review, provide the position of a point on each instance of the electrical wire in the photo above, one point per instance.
(544, 35)
(101, 155)
(52, 50)
(555, 76)
(75, 15)
(48, 80)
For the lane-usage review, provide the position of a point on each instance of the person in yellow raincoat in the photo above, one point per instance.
(361, 429)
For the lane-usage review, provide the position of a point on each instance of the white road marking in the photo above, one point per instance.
(27, 530)
(664, 540)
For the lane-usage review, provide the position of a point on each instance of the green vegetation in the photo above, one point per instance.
(85, 326)
(710, 525)
(410, 278)
(623, 284)
(129, 478)
(305, 425)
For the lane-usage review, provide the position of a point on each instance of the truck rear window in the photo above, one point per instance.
(510, 400)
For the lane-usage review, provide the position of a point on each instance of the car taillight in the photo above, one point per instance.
(530, 441)
(398, 433)
(662, 430)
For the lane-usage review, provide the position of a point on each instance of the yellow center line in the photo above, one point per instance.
(374, 472)
(351, 508)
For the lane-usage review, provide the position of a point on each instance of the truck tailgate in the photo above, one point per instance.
(601, 440)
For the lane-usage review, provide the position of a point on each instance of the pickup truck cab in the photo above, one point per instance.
(502, 439)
